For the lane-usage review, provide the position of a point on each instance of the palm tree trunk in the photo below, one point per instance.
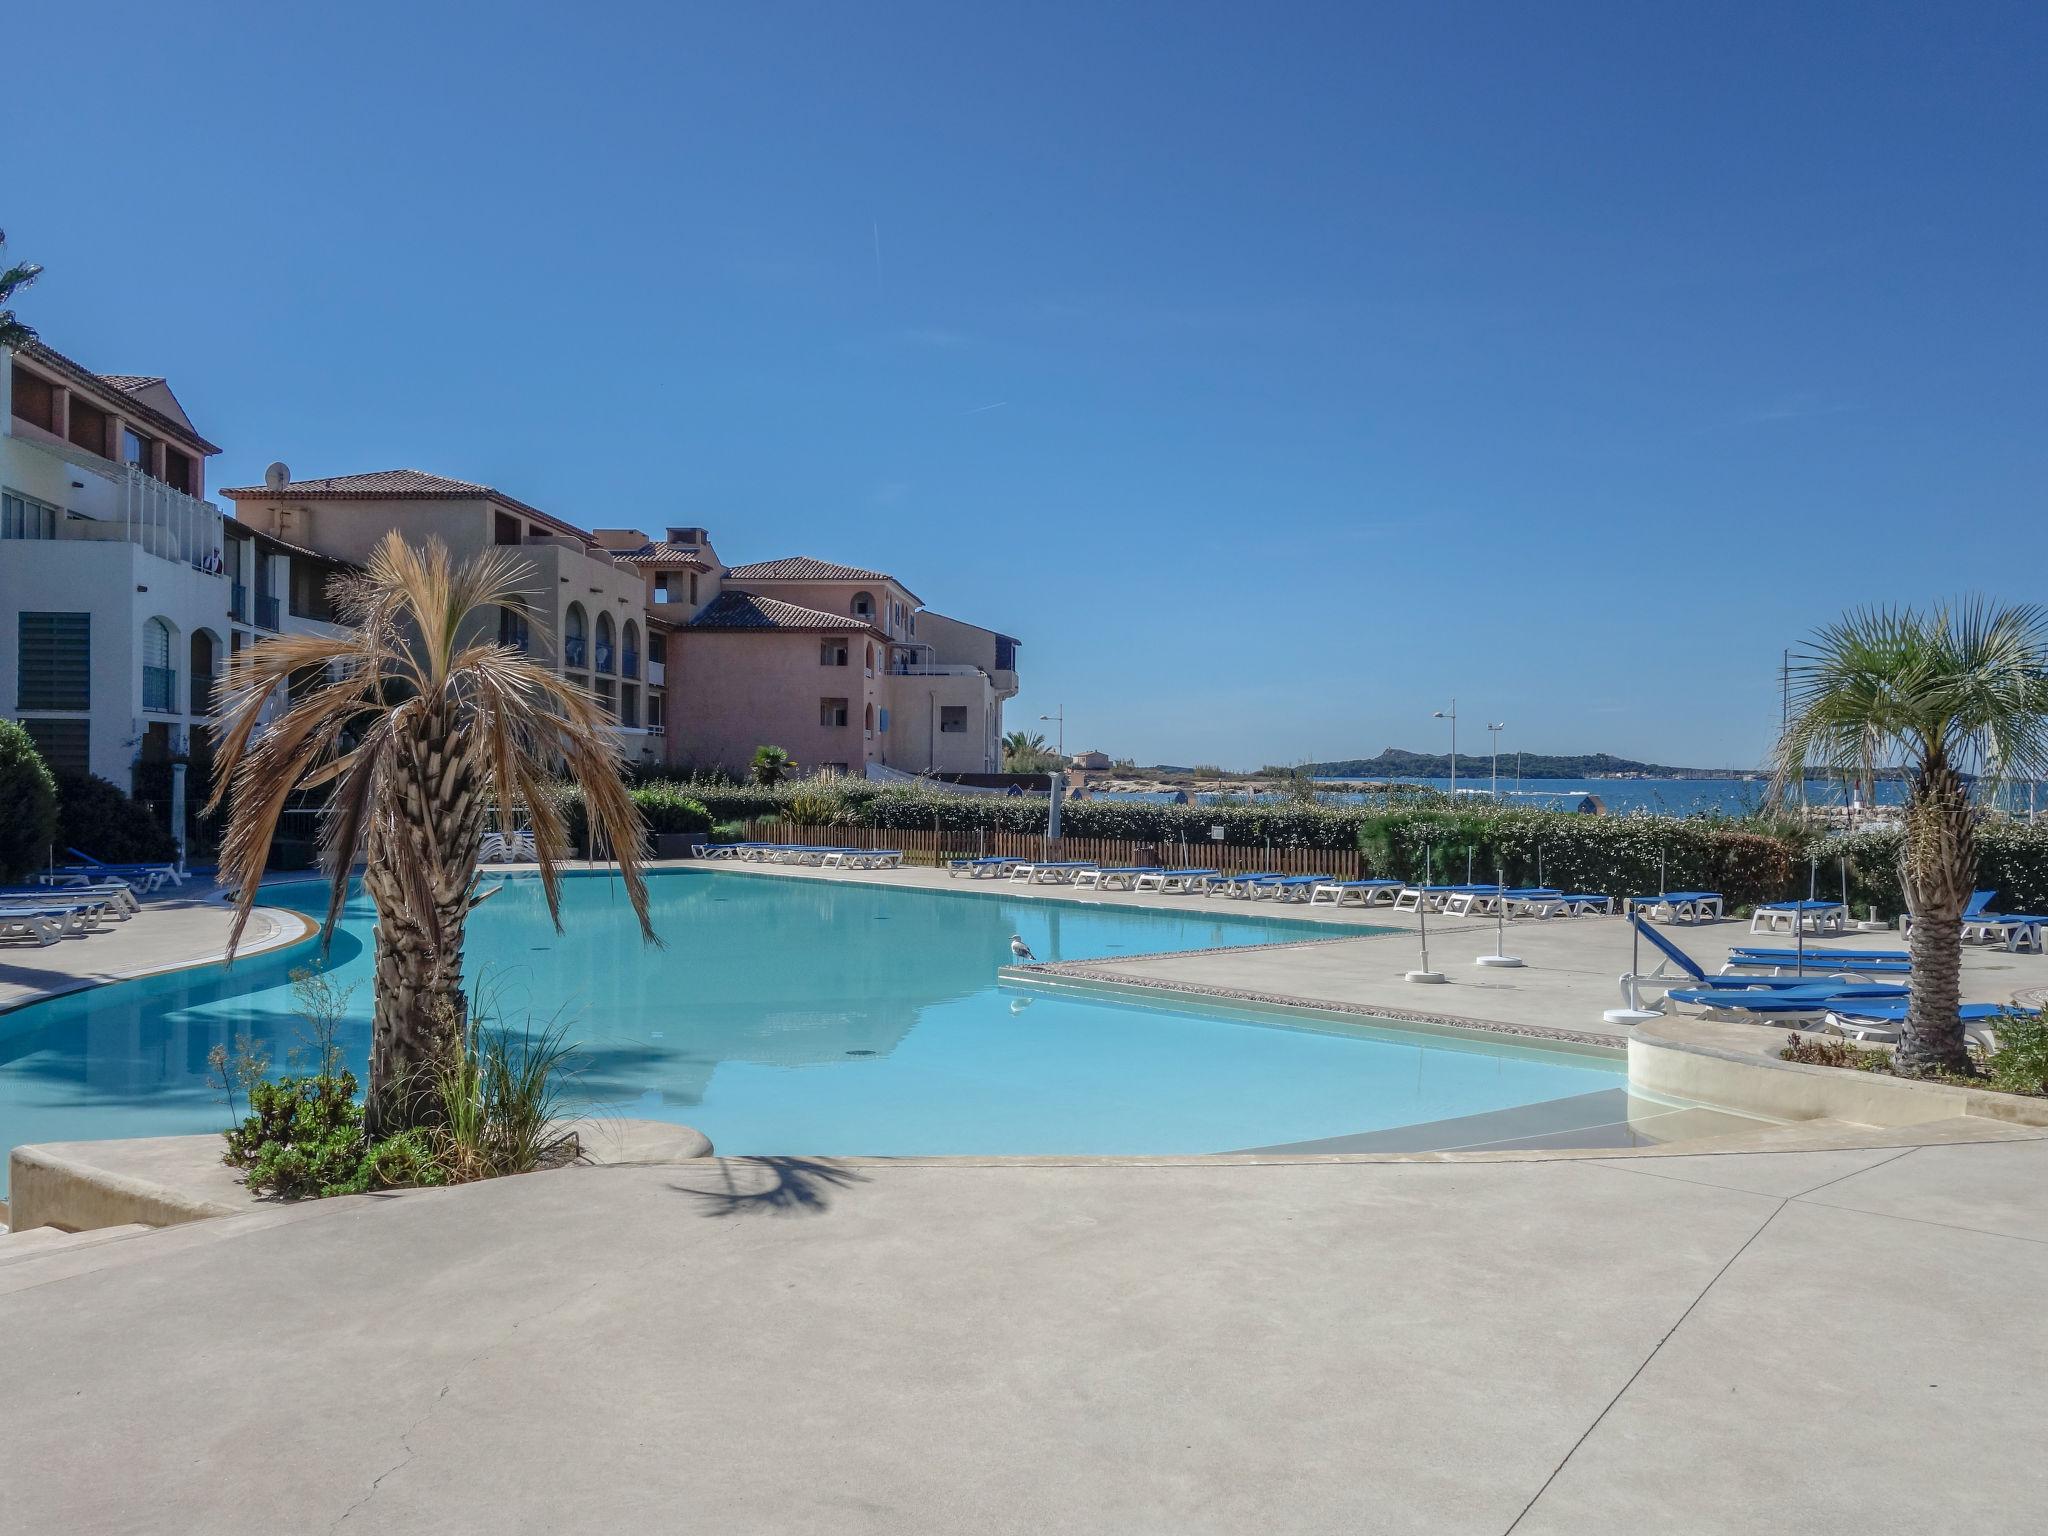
(421, 869)
(1938, 870)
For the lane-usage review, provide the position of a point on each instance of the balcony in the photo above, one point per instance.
(160, 690)
(575, 652)
(238, 603)
(604, 657)
(266, 612)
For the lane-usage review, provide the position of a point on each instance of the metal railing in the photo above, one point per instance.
(160, 689)
(574, 650)
(266, 612)
(238, 603)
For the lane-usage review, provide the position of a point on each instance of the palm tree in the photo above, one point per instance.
(771, 765)
(1952, 695)
(420, 735)
(13, 333)
(1025, 754)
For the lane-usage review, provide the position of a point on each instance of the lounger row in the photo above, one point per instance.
(2016, 931)
(43, 916)
(824, 856)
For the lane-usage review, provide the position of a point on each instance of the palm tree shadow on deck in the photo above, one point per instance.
(781, 1186)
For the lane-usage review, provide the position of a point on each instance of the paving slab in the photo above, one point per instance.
(1760, 1173)
(1850, 1375)
(1984, 1189)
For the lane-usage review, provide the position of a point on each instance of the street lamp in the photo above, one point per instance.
(1062, 718)
(1496, 727)
(1451, 715)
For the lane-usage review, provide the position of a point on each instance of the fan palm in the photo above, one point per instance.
(418, 735)
(1957, 694)
(771, 765)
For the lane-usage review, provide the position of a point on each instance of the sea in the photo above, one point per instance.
(1657, 797)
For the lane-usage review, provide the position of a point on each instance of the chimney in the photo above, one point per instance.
(688, 536)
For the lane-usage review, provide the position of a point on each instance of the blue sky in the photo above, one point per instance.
(1274, 373)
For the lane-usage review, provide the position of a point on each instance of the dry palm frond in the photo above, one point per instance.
(419, 736)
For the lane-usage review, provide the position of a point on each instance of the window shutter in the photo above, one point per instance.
(55, 661)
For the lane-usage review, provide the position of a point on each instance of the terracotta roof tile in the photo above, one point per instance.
(802, 568)
(129, 383)
(414, 483)
(745, 610)
(50, 357)
(401, 485)
(649, 554)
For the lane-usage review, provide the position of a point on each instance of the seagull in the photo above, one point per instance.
(1019, 948)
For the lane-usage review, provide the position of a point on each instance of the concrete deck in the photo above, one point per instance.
(187, 925)
(1739, 1343)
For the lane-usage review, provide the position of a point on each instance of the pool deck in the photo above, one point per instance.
(183, 926)
(1570, 978)
(1816, 1341)
(1707, 1338)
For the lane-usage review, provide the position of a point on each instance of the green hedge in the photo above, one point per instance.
(2012, 859)
(28, 804)
(1618, 855)
(1747, 861)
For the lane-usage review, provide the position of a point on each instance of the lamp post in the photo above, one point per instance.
(1496, 727)
(1061, 717)
(1451, 715)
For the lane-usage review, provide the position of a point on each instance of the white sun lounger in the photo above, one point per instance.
(1112, 879)
(862, 858)
(1058, 872)
(1337, 893)
(1789, 916)
(117, 897)
(1178, 882)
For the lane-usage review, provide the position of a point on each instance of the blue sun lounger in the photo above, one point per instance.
(1820, 962)
(1880, 1022)
(1292, 887)
(1814, 1001)
(1244, 886)
(1695, 975)
(1680, 906)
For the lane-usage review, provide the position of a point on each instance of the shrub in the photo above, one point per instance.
(501, 1102)
(2020, 1064)
(28, 804)
(1827, 1051)
(94, 815)
(665, 808)
(817, 804)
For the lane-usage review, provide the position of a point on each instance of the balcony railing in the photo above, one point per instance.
(160, 690)
(238, 603)
(266, 612)
(604, 657)
(575, 651)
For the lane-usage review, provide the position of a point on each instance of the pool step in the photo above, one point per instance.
(38, 1241)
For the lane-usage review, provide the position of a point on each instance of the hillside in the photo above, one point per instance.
(1394, 762)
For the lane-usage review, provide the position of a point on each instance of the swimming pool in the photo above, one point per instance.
(812, 1016)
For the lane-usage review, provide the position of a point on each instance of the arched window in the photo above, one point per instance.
(605, 658)
(629, 650)
(870, 722)
(871, 658)
(575, 645)
(159, 678)
(863, 605)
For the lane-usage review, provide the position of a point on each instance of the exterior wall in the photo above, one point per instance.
(564, 571)
(102, 578)
(731, 691)
(93, 567)
(916, 744)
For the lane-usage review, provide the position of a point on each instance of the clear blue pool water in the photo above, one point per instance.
(820, 1017)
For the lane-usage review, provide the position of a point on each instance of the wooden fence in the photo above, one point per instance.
(932, 848)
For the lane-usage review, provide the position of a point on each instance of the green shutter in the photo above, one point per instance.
(55, 661)
(64, 744)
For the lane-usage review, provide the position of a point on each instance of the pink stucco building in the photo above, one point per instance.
(841, 666)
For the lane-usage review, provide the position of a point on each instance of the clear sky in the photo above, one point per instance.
(1274, 372)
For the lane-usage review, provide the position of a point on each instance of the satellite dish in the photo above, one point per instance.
(277, 477)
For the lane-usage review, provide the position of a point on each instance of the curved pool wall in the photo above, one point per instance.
(818, 1017)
